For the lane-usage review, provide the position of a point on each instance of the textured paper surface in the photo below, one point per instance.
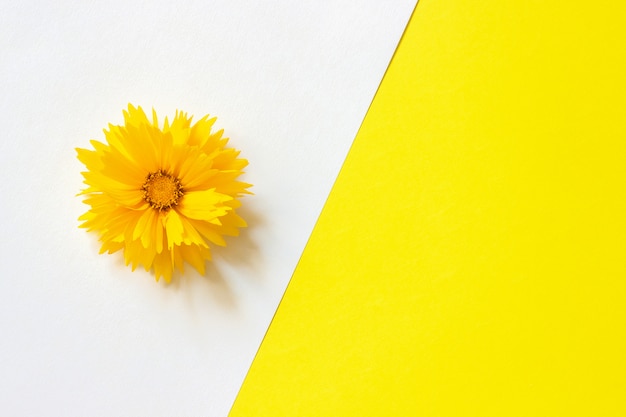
(290, 83)
(470, 260)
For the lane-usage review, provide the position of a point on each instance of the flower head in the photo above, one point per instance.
(162, 193)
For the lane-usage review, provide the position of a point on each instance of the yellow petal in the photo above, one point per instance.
(214, 142)
(191, 235)
(91, 159)
(193, 255)
(144, 227)
(174, 229)
(177, 258)
(179, 129)
(208, 231)
(163, 266)
(197, 175)
(204, 205)
(111, 247)
(201, 131)
(158, 232)
(123, 170)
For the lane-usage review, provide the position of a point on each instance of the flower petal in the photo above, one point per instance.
(179, 129)
(163, 266)
(196, 257)
(208, 231)
(174, 229)
(204, 205)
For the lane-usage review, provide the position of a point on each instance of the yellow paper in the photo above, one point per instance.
(471, 258)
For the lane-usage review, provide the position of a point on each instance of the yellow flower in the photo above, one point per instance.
(161, 194)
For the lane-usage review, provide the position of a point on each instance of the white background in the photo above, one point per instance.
(290, 82)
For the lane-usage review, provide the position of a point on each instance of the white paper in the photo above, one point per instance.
(290, 82)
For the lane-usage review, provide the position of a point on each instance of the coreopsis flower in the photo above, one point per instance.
(162, 194)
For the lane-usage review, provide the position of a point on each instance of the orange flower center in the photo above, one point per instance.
(162, 190)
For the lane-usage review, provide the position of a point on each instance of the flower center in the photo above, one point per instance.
(162, 190)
